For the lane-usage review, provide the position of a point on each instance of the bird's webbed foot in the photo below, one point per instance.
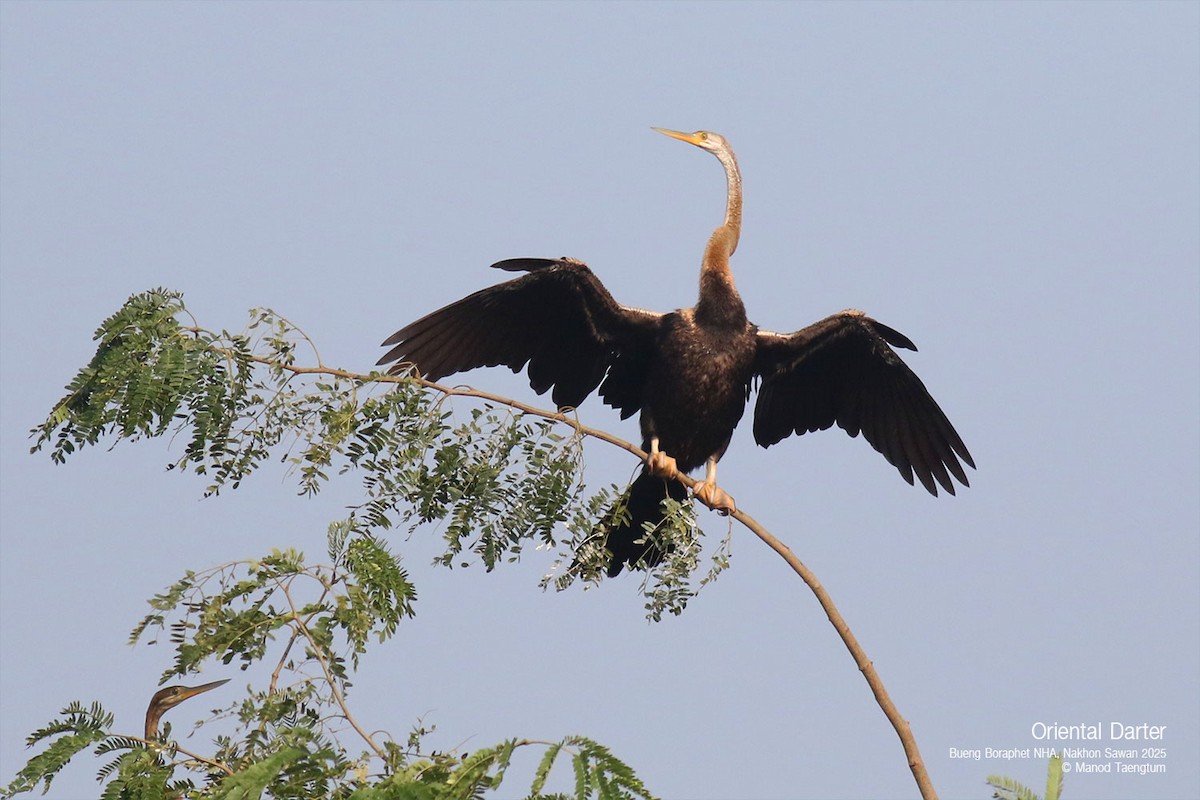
(714, 497)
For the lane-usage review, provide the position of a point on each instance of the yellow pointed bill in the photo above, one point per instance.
(192, 691)
(690, 138)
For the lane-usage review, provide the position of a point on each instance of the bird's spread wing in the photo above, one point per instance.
(842, 370)
(559, 319)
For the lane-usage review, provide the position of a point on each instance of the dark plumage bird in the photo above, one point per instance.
(689, 372)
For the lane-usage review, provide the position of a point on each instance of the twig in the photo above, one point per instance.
(338, 697)
(175, 748)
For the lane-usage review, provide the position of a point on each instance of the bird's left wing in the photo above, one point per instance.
(559, 319)
(842, 370)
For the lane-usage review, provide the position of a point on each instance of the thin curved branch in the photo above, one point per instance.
(338, 697)
(915, 762)
(865, 665)
(175, 748)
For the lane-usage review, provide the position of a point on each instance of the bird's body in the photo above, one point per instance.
(702, 379)
(689, 372)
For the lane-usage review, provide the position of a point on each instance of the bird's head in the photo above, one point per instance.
(172, 696)
(705, 140)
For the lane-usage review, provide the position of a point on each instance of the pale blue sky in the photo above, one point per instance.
(1013, 186)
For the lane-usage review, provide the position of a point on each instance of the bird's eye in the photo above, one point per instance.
(703, 136)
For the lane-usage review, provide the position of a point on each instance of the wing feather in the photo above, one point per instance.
(843, 370)
(557, 321)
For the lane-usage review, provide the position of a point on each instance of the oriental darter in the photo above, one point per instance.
(689, 372)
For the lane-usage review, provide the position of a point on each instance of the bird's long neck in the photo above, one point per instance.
(153, 715)
(719, 300)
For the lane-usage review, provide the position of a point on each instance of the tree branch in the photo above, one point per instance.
(174, 747)
(865, 665)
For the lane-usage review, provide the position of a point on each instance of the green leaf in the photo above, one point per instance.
(543, 769)
(1054, 778)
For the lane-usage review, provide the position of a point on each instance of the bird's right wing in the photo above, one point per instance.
(559, 319)
(842, 370)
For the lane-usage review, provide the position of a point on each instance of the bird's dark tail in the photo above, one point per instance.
(641, 504)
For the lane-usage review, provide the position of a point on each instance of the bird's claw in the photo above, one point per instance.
(714, 497)
(661, 465)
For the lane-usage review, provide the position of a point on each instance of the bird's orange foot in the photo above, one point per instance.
(662, 465)
(714, 497)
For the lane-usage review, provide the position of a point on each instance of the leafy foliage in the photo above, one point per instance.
(493, 479)
(311, 622)
(147, 370)
(78, 729)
